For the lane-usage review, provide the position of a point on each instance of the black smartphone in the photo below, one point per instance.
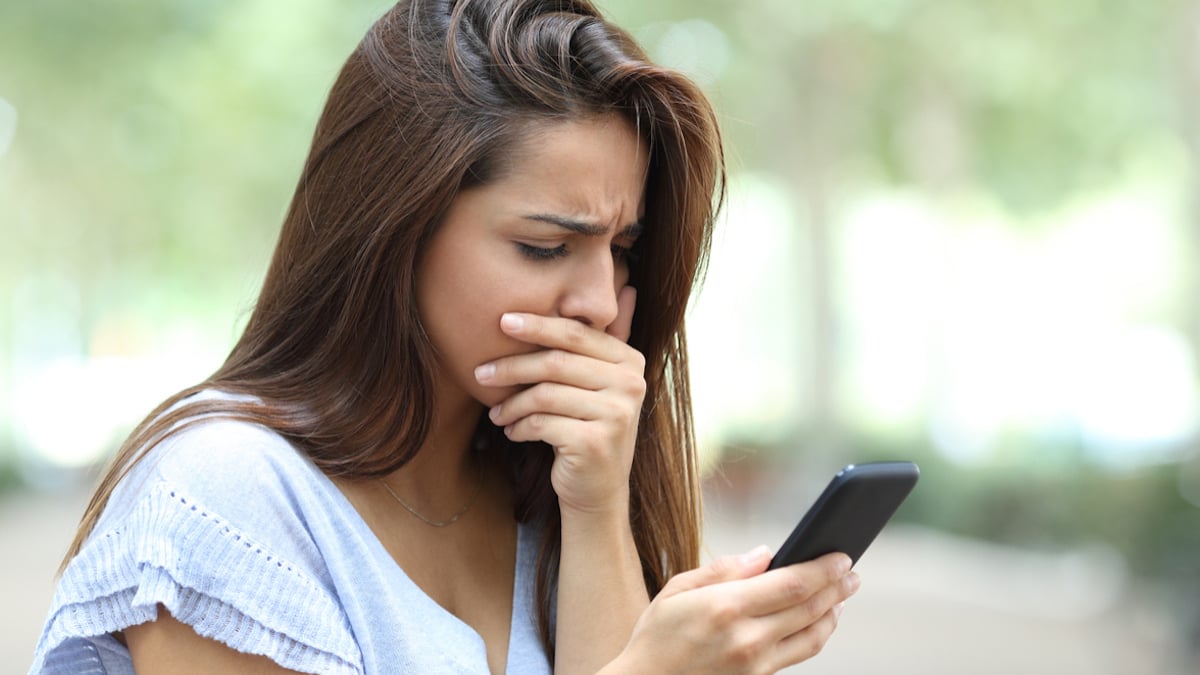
(851, 511)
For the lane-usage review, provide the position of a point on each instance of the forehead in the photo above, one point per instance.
(591, 164)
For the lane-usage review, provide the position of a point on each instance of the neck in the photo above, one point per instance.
(444, 473)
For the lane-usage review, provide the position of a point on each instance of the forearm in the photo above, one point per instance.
(601, 591)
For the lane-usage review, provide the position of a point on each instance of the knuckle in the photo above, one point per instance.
(746, 649)
(812, 610)
(541, 396)
(742, 656)
(556, 362)
(822, 631)
(809, 649)
(817, 644)
(620, 412)
(575, 334)
(636, 386)
(515, 432)
(725, 613)
(834, 565)
(639, 359)
(795, 589)
(595, 437)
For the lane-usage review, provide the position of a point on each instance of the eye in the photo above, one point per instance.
(624, 254)
(542, 253)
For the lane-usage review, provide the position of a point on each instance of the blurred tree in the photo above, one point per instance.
(157, 144)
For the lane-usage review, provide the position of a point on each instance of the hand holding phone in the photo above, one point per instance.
(851, 511)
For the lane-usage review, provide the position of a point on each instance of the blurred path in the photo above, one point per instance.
(930, 604)
(35, 529)
(934, 604)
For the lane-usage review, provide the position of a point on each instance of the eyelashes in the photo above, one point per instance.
(542, 253)
(621, 254)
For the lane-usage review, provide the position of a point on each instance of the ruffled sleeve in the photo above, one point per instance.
(169, 548)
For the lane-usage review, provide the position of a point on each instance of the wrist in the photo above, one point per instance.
(597, 524)
(605, 538)
(601, 591)
(614, 508)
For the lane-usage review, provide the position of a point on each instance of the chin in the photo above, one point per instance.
(490, 396)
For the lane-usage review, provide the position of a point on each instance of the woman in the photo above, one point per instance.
(446, 441)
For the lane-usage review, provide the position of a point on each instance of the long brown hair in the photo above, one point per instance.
(434, 99)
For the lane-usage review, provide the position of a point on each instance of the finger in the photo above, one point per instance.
(577, 444)
(797, 617)
(565, 334)
(623, 324)
(552, 398)
(807, 643)
(557, 431)
(786, 587)
(721, 570)
(547, 365)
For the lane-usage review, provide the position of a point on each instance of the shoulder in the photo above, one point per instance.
(211, 524)
(244, 471)
(214, 446)
(221, 457)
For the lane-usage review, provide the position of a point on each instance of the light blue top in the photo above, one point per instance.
(240, 536)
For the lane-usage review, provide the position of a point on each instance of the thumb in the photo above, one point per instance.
(726, 568)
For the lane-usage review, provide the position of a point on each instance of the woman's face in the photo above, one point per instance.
(548, 237)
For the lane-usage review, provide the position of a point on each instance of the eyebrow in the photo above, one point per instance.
(632, 231)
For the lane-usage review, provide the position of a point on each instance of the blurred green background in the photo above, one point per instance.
(964, 233)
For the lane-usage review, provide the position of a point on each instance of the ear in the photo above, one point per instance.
(623, 324)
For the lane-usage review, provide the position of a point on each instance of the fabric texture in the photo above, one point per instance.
(240, 536)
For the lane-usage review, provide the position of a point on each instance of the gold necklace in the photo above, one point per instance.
(438, 523)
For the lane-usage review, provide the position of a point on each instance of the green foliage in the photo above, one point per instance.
(158, 143)
(161, 140)
(1034, 100)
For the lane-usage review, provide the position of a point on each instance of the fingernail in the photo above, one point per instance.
(512, 322)
(755, 554)
(844, 565)
(494, 412)
(485, 372)
(837, 609)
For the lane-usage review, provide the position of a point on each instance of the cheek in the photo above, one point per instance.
(465, 309)
(452, 297)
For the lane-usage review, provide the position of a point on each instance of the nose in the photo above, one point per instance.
(590, 294)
